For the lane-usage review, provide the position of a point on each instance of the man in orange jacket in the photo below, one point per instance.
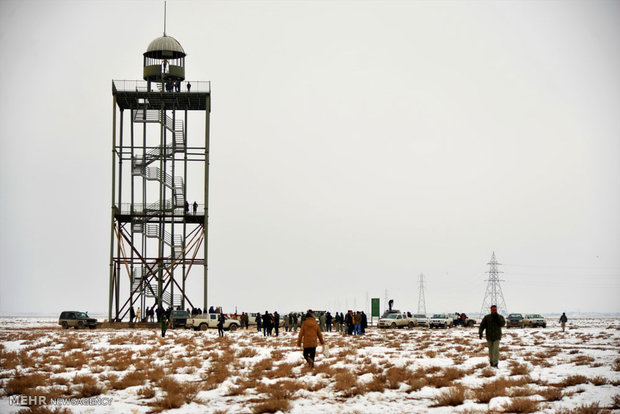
(310, 334)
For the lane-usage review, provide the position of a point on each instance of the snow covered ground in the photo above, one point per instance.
(401, 371)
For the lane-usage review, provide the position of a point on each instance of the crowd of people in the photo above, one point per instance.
(351, 323)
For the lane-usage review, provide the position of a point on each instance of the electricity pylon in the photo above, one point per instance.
(421, 301)
(493, 294)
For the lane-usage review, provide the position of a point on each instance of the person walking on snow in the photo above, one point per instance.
(563, 320)
(309, 335)
(164, 326)
(492, 323)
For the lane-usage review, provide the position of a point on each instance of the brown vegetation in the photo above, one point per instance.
(521, 405)
(452, 396)
(175, 394)
(551, 394)
(517, 368)
(25, 383)
(573, 380)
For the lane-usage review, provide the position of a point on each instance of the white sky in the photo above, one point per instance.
(354, 146)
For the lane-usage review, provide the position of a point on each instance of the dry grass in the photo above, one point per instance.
(430, 353)
(246, 353)
(369, 368)
(260, 368)
(72, 343)
(131, 379)
(118, 360)
(285, 389)
(616, 402)
(490, 390)
(346, 383)
(215, 375)
(452, 397)
(582, 360)
(25, 383)
(395, 376)
(155, 374)
(119, 340)
(283, 370)
(517, 368)
(599, 381)
(8, 360)
(521, 405)
(438, 381)
(416, 383)
(526, 391)
(271, 406)
(584, 409)
(175, 394)
(76, 359)
(146, 393)
(573, 380)
(323, 368)
(452, 373)
(551, 394)
(376, 384)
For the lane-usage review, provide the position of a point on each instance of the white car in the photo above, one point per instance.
(396, 320)
(534, 320)
(420, 319)
(210, 320)
(441, 320)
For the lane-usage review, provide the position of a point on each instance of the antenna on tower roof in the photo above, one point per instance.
(164, 18)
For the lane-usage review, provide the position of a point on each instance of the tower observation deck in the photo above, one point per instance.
(158, 236)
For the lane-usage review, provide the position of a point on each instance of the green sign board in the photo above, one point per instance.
(375, 311)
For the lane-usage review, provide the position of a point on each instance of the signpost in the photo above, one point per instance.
(375, 310)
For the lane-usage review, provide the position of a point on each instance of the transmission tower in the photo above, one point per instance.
(493, 294)
(421, 301)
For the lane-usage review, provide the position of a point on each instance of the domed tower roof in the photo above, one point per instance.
(165, 47)
(164, 60)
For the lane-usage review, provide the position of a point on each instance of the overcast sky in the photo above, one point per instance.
(354, 146)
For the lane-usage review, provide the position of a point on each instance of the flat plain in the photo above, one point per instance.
(385, 371)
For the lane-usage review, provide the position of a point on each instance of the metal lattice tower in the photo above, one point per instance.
(421, 300)
(158, 239)
(493, 294)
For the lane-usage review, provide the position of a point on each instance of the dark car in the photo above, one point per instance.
(178, 318)
(514, 320)
(77, 320)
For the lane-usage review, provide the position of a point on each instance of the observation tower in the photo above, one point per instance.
(160, 186)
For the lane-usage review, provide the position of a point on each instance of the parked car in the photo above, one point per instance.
(396, 320)
(178, 318)
(210, 320)
(420, 319)
(515, 320)
(77, 320)
(534, 320)
(441, 320)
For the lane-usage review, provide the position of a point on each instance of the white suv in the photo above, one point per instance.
(420, 319)
(441, 320)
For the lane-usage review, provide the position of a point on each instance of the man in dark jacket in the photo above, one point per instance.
(492, 323)
(266, 324)
(563, 320)
(276, 322)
